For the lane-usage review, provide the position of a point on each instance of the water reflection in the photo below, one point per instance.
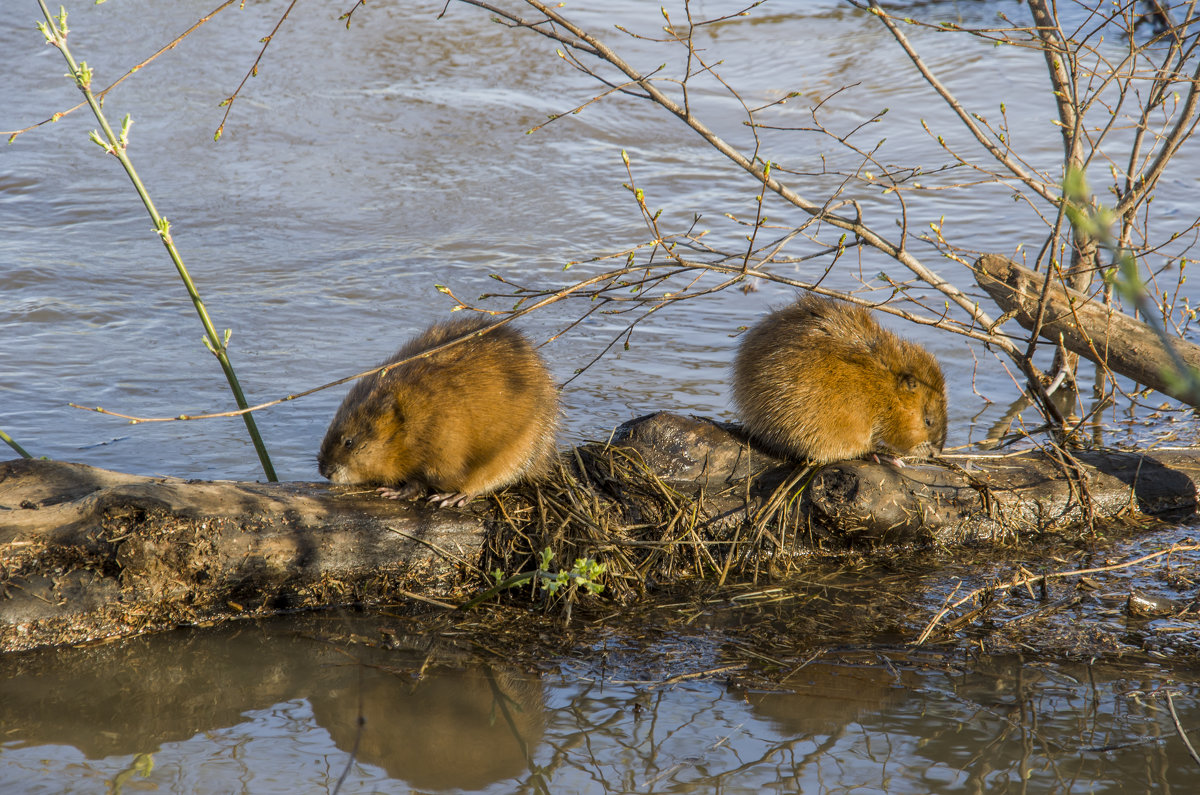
(451, 729)
(434, 726)
(276, 708)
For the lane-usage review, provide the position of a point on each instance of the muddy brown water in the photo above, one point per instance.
(360, 169)
(294, 705)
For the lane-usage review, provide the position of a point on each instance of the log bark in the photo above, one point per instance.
(957, 500)
(1087, 327)
(87, 553)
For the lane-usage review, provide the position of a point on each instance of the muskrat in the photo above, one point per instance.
(821, 380)
(461, 422)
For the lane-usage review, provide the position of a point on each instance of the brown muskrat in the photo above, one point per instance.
(821, 380)
(461, 422)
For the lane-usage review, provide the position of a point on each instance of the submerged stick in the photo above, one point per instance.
(1179, 729)
(1018, 582)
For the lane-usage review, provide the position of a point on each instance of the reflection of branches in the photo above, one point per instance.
(1179, 729)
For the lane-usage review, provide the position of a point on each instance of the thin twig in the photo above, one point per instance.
(253, 71)
(12, 134)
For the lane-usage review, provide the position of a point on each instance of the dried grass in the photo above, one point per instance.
(604, 502)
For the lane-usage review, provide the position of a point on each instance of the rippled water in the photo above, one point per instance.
(360, 169)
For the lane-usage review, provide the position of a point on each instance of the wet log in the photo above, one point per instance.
(87, 553)
(955, 500)
(1095, 331)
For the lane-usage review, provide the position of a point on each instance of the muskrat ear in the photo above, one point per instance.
(907, 381)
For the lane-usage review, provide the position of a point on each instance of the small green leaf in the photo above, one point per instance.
(126, 123)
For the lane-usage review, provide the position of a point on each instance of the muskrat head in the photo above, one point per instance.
(916, 423)
(367, 442)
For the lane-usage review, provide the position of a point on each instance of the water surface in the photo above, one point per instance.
(276, 707)
(359, 170)
(362, 168)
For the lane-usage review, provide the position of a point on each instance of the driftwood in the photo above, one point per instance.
(87, 553)
(1091, 329)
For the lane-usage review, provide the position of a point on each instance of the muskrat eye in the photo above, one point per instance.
(348, 442)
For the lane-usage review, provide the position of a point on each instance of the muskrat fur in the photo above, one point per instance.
(461, 422)
(820, 380)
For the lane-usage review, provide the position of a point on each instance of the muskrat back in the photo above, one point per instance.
(464, 421)
(820, 380)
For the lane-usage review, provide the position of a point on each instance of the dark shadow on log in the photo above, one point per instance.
(87, 553)
(1157, 483)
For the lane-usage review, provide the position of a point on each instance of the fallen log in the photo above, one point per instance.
(87, 553)
(957, 500)
(1096, 331)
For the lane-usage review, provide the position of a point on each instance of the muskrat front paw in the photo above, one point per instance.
(448, 500)
(405, 491)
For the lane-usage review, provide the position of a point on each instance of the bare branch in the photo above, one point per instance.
(101, 95)
(228, 101)
(1042, 188)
